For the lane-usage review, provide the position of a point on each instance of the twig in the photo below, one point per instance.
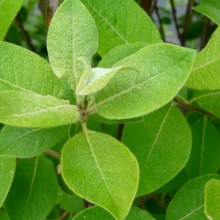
(120, 131)
(188, 16)
(53, 154)
(173, 7)
(205, 33)
(190, 107)
(146, 5)
(24, 33)
(87, 204)
(64, 215)
(162, 33)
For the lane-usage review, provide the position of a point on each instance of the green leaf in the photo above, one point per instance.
(34, 190)
(212, 199)
(153, 140)
(188, 202)
(206, 69)
(3, 215)
(29, 142)
(97, 213)
(210, 8)
(23, 70)
(8, 11)
(205, 154)
(98, 79)
(70, 203)
(118, 53)
(7, 170)
(121, 22)
(209, 101)
(32, 110)
(162, 71)
(100, 169)
(72, 36)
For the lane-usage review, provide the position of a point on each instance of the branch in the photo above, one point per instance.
(53, 154)
(25, 33)
(173, 7)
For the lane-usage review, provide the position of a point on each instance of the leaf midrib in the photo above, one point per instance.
(192, 212)
(108, 23)
(157, 135)
(31, 186)
(98, 167)
(132, 87)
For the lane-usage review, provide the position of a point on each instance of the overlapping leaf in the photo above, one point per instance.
(153, 140)
(206, 70)
(7, 171)
(34, 190)
(121, 22)
(72, 37)
(102, 170)
(162, 70)
(8, 11)
(188, 202)
(29, 142)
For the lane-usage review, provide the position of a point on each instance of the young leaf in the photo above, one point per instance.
(205, 73)
(188, 202)
(32, 110)
(121, 22)
(96, 212)
(205, 154)
(34, 190)
(8, 11)
(162, 71)
(7, 170)
(72, 35)
(210, 8)
(23, 70)
(98, 79)
(212, 199)
(29, 142)
(100, 169)
(153, 140)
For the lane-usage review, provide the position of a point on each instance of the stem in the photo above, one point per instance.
(25, 33)
(162, 33)
(173, 7)
(53, 154)
(146, 5)
(205, 33)
(187, 20)
(120, 130)
(64, 215)
(190, 107)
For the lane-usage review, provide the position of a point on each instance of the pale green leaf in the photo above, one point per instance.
(98, 79)
(8, 11)
(100, 169)
(29, 142)
(212, 199)
(7, 170)
(34, 190)
(210, 8)
(120, 52)
(188, 202)
(121, 22)
(32, 110)
(162, 71)
(23, 70)
(205, 153)
(97, 213)
(72, 35)
(206, 70)
(154, 140)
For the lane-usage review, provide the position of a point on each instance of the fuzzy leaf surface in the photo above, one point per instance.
(102, 170)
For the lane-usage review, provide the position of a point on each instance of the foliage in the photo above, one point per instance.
(115, 115)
